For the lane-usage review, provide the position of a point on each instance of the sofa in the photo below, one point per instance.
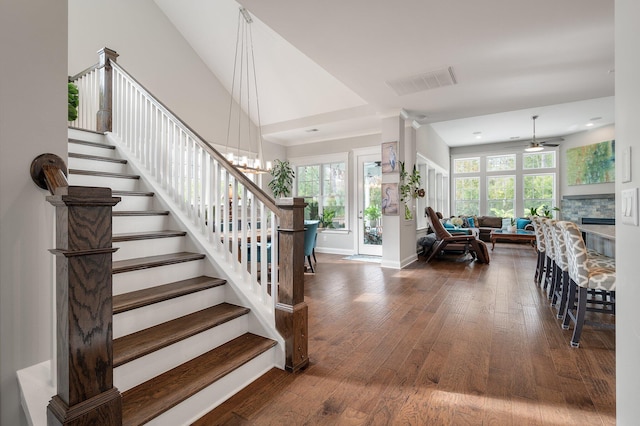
(485, 224)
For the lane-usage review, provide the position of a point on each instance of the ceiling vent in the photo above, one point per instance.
(425, 81)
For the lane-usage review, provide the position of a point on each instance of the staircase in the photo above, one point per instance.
(182, 344)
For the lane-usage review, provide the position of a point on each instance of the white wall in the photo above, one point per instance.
(588, 137)
(156, 54)
(431, 146)
(628, 291)
(33, 111)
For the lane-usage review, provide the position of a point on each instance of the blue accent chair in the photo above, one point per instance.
(310, 235)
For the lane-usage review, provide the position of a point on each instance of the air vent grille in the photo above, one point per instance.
(425, 81)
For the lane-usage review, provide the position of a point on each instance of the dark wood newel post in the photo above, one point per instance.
(85, 392)
(105, 73)
(291, 309)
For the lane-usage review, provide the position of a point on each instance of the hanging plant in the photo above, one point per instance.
(409, 188)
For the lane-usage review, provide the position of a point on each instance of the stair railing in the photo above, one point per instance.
(260, 240)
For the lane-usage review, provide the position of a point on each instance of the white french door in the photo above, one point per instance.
(369, 203)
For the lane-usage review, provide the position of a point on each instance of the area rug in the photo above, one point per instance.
(364, 258)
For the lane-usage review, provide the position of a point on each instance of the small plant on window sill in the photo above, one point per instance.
(409, 188)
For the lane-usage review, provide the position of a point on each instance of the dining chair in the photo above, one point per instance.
(595, 285)
(310, 236)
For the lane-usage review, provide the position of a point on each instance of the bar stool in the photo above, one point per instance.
(540, 246)
(550, 265)
(561, 279)
(586, 280)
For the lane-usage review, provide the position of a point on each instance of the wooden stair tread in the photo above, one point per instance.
(138, 263)
(97, 158)
(103, 174)
(132, 193)
(135, 345)
(94, 144)
(136, 236)
(152, 398)
(148, 296)
(140, 212)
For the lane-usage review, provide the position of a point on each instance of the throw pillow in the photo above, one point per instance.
(521, 223)
(448, 225)
(471, 222)
(506, 222)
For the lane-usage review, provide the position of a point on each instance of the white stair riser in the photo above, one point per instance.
(151, 247)
(127, 224)
(145, 368)
(105, 182)
(134, 203)
(212, 396)
(137, 280)
(92, 150)
(103, 166)
(86, 136)
(138, 319)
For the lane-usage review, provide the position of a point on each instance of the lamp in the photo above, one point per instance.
(244, 63)
(534, 146)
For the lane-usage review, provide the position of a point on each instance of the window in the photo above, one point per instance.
(467, 197)
(504, 184)
(323, 187)
(501, 195)
(539, 160)
(539, 190)
(466, 165)
(499, 163)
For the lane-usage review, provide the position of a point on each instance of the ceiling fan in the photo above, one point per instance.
(536, 145)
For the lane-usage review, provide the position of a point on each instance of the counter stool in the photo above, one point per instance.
(586, 280)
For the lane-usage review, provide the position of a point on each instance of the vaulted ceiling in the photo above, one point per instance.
(330, 65)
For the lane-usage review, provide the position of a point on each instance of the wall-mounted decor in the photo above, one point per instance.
(591, 164)
(390, 201)
(390, 157)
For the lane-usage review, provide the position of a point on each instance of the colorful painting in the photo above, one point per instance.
(390, 201)
(390, 157)
(591, 164)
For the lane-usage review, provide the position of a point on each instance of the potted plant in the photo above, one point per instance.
(373, 213)
(513, 227)
(72, 113)
(326, 218)
(282, 181)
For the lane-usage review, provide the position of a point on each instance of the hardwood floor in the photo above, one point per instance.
(444, 343)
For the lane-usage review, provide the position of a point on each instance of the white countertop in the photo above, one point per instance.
(604, 231)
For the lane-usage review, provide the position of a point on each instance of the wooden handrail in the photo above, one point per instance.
(48, 171)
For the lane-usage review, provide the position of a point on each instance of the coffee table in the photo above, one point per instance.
(520, 235)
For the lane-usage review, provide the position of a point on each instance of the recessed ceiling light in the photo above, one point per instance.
(514, 137)
(311, 130)
(589, 125)
(595, 119)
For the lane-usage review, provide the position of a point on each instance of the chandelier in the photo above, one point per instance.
(244, 83)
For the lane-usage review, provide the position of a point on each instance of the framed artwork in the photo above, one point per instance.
(591, 164)
(390, 201)
(390, 157)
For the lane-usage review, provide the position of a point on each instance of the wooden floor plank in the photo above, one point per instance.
(439, 343)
